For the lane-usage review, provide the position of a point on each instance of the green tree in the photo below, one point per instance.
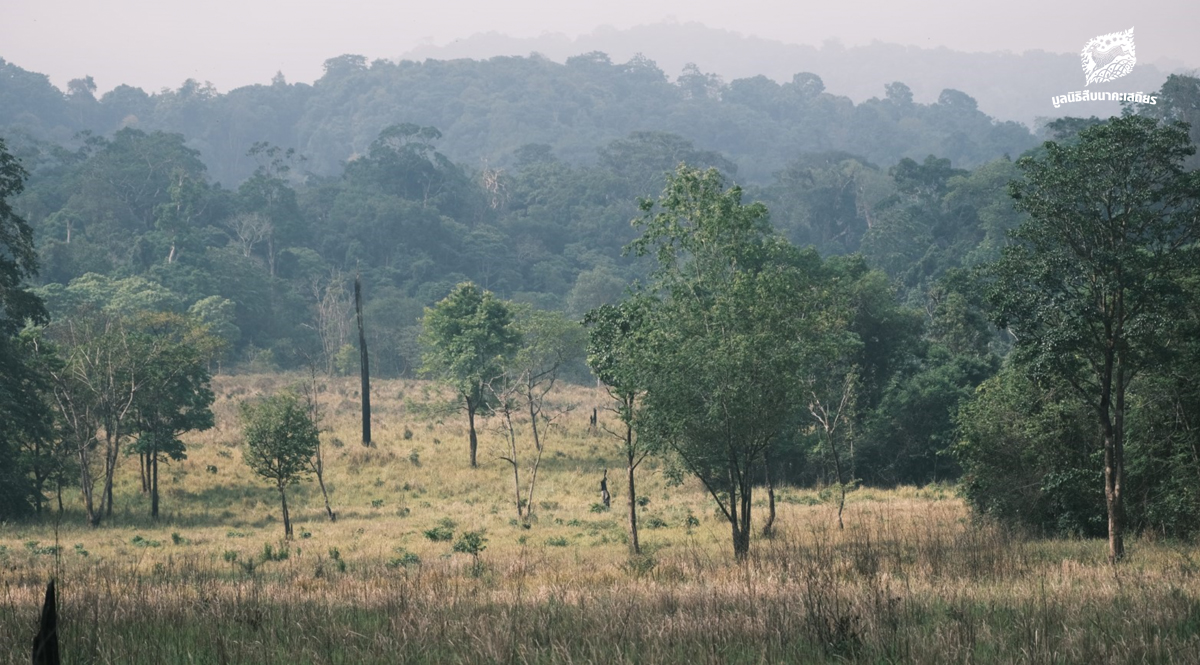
(281, 439)
(468, 338)
(616, 337)
(1090, 283)
(175, 397)
(728, 342)
(23, 417)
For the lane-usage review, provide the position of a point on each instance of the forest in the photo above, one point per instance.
(771, 288)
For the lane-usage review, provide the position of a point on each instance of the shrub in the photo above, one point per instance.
(654, 522)
(404, 560)
(471, 542)
(444, 531)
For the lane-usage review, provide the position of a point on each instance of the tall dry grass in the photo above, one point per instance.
(911, 579)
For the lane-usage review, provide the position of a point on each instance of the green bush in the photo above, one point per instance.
(471, 542)
(443, 532)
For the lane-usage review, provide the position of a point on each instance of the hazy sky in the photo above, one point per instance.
(160, 43)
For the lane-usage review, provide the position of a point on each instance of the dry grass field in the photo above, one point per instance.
(912, 578)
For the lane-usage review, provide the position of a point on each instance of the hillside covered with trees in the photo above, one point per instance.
(878, 322)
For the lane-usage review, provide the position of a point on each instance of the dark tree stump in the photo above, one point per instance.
(45, 645)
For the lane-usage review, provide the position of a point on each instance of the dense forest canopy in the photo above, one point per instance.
(488, 109)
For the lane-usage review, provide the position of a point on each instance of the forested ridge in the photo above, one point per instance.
(244, 217)
(487, 109)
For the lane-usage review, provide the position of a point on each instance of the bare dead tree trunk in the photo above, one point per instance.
(537, 445)
(312, 393)
(364, 366)
(837, 465)
(829, 423)
(516, 467)
(320, 468)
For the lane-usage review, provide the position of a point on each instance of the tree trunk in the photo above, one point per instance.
(287, 522)
(471, 420)
(537, 445)
(837, 465)
(321, 482)
(143, 471)
(154, 484)
(768, 528)
(1114, 471)
(512, 440)
(363, 364)
(87, 487)
(745, 530)
(740, 523)
(633, 530)
(112, 451)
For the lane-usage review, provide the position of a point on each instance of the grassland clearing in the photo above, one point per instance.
(912, 578)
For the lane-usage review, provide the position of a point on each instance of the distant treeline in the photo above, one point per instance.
(488, 109)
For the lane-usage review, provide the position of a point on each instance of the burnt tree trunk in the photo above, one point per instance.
(364, 365)
(471, 406)
(45, 644)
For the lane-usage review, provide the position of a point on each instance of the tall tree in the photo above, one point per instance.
(729, 337)
(1090, 282)
(363, 366)
(468, 337)
(22, 411)
(176, 397)
(616, 337)
(95, 390)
